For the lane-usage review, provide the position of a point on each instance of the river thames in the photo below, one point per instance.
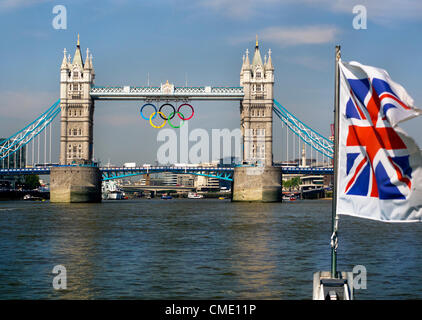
(197, 249)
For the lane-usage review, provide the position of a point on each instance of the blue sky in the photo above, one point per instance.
(204, 40)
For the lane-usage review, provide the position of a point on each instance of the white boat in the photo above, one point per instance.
(290, 197)
(29, 197)
(111, 191)
(194, 195)
(115, 195)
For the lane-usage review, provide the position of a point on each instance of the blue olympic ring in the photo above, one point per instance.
(148, 104)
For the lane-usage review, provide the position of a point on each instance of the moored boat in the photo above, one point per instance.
(194, 195)
(29, 197)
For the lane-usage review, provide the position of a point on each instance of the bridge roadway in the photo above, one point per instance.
(109, 173)
(166, 92)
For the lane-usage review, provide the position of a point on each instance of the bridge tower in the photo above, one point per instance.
(262, 182)
(77, 108)
(256, 110)
(76, 183)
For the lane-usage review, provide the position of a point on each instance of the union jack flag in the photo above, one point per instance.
(375, 163)
(374, 137)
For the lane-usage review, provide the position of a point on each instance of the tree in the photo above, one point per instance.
(287, 184)
(292, 183)
(32, 181)
(296, 182)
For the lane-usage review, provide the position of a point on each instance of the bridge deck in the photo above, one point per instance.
(176, 93)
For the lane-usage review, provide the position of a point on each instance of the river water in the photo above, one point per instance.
(197, 249)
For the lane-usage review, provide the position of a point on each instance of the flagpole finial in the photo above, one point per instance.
(338, 52)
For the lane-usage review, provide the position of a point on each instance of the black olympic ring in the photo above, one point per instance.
(172, 113)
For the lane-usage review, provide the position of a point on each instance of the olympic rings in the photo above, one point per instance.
(150, 120)
(162, 114)
(176, 127)
(148, 104)
(185, 104)
(164, 117)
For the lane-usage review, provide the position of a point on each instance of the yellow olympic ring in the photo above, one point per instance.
(150, 120)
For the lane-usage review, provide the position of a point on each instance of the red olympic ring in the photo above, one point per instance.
(178, 111)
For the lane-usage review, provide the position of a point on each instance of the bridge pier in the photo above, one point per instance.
(75, 184)
(260, 184)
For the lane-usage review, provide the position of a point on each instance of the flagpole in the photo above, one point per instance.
(334, 219)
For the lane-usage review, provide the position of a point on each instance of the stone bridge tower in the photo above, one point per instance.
(76, 183)
(256, 115)
(77, 108)
(257, 180)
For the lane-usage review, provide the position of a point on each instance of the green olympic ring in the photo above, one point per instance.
(171, 115)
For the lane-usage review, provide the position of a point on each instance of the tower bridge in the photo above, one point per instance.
(257, 180)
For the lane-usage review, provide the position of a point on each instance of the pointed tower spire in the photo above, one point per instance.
(64, 62)
(77, 58)
(269, 64)
(88, 62)
(246, 63)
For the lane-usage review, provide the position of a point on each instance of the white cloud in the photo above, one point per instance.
(6, 5)
(239, 9)
(293, 36)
